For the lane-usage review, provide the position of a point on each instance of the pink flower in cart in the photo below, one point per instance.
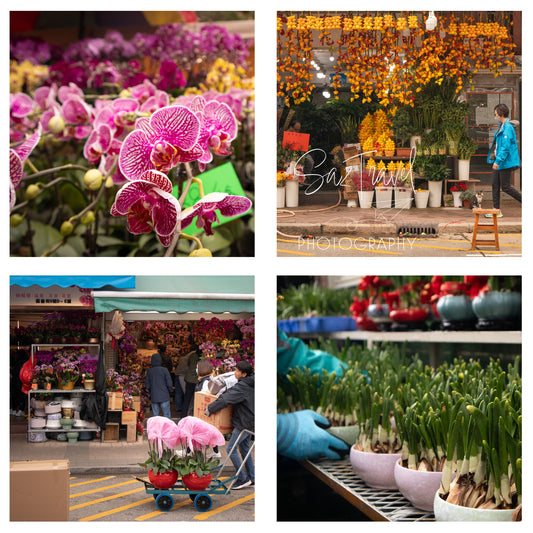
(162, 430)
(228, 205)
(148, 204)
(198, 433)
(167, 138)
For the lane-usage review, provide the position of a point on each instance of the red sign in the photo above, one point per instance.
(296, 141)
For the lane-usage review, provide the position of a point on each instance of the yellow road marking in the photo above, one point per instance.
(107, 498)
(157, 513)
(116, 510)
(91, 481)
(103, 488)
(291, 252)
(208, 514)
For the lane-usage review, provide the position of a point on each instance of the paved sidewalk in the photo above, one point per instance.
(322, 214)
(86, 456)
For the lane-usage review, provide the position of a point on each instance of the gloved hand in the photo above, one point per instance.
(293, 352)
(302, 435)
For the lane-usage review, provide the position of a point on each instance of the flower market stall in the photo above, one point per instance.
(430, 438)
(103, 345)
(399, 92)
(132, 145)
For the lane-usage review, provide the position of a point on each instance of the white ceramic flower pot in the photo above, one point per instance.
(292, 188)
(435, 193)
(463, 169)
(375, 469)
(383, 197)
(402, 198)
(418, 487)
(449, 512)
(457, 202)
(421, 199)
(365, 199)
(280, 197)
(414, 140)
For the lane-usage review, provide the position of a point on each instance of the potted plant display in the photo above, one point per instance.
(365, 188)
(421, 198)
(162, 465)
(466, 149)
(500, 303)
(281, 179)
(435, 172)
(466, 196)
(456, 191)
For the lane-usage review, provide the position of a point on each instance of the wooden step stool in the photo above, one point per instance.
(493, 228)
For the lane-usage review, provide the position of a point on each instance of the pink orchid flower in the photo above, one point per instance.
(169, 137)
(97, 144)
(21, 105)
(17, 156)
(148, 204)
(162, 430)
(218, 128)
(204, 209)
(118, 115)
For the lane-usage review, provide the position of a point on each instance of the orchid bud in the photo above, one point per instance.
(87, 218)
(56, 124)
(202, 252)
(32, 192)
(93, 179)
(66, 228)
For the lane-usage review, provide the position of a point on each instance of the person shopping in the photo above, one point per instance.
(159, 385)
(241, 397)
(504, 158)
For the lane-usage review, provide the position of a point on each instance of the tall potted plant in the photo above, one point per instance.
(363, 182)
(435, 172)
(465, 150)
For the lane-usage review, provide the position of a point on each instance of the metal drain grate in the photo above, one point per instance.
(417, 229)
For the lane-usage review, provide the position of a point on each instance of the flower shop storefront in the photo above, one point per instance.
(118, 329)
(408, 98)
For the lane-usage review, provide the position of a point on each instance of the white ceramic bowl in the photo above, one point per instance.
(418, 487)
(37, 423)
(375, 469)
(53, 424)
(79, 423)
(449, 512)
(67, 404)
(39, 412)
(52, 407)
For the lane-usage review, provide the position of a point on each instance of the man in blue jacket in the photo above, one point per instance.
(504, 158)
(159, 385)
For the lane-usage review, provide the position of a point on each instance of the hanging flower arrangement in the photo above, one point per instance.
(387, 56)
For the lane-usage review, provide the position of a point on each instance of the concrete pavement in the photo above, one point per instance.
(87, 456)
(325, 214)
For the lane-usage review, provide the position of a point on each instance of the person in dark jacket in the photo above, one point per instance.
(159, 385)
(241, 397)
(191, 380)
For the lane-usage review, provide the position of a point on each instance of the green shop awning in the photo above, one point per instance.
(181, 294)
(84, 282)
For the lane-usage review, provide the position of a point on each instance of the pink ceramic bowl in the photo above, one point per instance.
(418, 487)
(375, 469)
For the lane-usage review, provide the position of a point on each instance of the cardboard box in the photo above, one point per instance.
(221, 420)
(115, 401)
(131, 433)
(137, 403)
(39, 490)
(128, 417)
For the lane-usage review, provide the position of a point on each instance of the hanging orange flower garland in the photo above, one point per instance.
(388, 56)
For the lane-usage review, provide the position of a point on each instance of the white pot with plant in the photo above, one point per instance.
(435, 172)
(485, 438)
(378, 447)
(466, 149)
(280, 188)
(421, 198)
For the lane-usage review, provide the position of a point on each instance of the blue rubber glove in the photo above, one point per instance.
(293, 352)
(302, 435)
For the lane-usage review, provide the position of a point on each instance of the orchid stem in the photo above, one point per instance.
(200, 186)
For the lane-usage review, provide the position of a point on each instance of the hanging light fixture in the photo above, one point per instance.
(431, 21)
(326, 93)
